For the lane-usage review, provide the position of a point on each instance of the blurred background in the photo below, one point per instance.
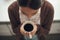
(6, 32)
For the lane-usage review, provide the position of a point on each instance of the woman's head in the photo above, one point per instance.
(33, 4)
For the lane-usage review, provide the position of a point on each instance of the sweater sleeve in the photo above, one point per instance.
(14, 22)
(44, 28)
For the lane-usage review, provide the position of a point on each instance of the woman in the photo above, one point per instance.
(39, 11)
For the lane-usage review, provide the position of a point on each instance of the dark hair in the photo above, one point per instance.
(34, 4)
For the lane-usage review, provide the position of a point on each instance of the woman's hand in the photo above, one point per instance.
(25, 33)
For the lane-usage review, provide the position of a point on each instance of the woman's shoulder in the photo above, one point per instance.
(49, 5)
(13, 6)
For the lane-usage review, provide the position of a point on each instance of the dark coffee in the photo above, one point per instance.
(28, 27)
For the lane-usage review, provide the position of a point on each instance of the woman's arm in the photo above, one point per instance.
(14, 22)
(44, 28)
